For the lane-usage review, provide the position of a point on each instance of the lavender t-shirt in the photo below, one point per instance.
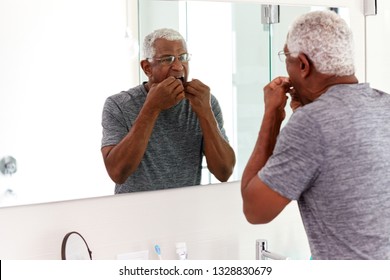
(333, 157)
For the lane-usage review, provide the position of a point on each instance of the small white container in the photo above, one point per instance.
(181, 250)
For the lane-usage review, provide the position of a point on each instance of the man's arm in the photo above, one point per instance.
(219, 154)
(122, 160)
(261, 203)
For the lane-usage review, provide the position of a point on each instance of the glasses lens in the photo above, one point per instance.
(282, 56)
(167, 60)
(185, 57)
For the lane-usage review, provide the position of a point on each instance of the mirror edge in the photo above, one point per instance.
(65, 240)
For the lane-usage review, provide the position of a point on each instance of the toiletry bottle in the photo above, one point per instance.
(181, 250)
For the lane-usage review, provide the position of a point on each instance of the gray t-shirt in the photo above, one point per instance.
(173, 157)
(333, 157)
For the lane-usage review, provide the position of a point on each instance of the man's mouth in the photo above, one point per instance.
(181, 79)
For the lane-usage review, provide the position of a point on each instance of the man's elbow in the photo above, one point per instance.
(224, 174)
(117, 176)
(257, 217)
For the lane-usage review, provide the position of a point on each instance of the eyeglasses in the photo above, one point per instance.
(169, 59)
(282, 55)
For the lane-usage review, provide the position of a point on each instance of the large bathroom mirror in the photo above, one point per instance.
(61, 59)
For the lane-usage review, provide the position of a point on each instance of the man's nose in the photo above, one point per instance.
(177, 64)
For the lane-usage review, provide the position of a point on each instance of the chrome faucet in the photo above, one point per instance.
(8, 165)
(262, 252)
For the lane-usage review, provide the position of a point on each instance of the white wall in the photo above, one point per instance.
(60, 59)
(208, 219)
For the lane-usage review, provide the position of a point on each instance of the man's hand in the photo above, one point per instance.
(199, 96)
(166, 94)
(275, 95)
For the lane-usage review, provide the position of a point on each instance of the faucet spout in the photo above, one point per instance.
(262, 252)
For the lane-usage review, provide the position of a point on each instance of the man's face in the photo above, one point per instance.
(293, 67)
(161, 65)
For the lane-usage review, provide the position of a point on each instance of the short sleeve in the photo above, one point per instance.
(218, 116)
(296, 160)
(113, 123)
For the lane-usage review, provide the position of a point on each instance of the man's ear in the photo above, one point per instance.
(146, 67)
(305, 65)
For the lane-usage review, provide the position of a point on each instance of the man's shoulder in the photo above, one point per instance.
(131, 96)
(134, 92)
(213, 98)
(214, 102)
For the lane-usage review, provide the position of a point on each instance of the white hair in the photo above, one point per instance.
(164, 33)
(325, 38)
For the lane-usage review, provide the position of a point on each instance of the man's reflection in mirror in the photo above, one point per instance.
(156, 134)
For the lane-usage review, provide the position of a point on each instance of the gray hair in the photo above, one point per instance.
(164, 33)
(327, 41)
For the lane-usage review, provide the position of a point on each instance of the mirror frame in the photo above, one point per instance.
(357, 22)
(65, 242)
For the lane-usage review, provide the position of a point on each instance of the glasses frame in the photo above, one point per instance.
(168, 60)
(283, 55)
